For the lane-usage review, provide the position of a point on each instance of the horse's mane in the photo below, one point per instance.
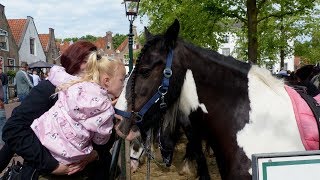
(265, 76)
(226, 61)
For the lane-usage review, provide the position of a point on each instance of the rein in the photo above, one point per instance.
(159, 95)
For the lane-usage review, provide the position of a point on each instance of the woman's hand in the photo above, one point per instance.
(61, 170)
(79, 166)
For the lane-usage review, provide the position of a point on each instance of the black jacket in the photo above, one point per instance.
(21, 138)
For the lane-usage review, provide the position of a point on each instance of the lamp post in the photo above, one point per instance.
(132, 7)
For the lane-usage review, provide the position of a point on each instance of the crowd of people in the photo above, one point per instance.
(71, 109)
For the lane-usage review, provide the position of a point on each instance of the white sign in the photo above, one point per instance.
(286, 166)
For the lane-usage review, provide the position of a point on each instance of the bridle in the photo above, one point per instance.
(159, 95)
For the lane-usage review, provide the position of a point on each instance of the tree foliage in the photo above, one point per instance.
(309, 51)
(265, 28)
(117, 39)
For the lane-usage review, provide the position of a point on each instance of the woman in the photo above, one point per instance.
(18, 135)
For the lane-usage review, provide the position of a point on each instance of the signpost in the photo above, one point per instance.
(303, 165)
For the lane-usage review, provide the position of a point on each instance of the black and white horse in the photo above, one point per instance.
(241, 108)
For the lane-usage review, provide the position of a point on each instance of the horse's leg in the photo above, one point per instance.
(194, 146)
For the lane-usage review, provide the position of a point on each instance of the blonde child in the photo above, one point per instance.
(83, 112)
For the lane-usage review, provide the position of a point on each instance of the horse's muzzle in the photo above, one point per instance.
(126, 130)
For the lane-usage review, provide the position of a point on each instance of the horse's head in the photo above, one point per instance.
(155, 82)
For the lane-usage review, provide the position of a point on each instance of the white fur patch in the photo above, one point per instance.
(189, 100)
(272, 126)
(122, 103)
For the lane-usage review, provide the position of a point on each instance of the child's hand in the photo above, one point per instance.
(114, 101)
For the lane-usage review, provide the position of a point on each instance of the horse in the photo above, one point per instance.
(242, 109)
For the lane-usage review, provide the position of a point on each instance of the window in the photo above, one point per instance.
(225, 39)
(4, 42)
(31, 45)
(11, 64)
(285, 67)
(126, 58)
(226, 51)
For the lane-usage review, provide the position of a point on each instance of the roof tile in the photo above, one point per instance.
(17, 26)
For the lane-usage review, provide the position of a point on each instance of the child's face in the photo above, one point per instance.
(116, 83)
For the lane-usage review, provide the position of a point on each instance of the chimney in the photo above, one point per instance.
(51, 31)
(109, 40)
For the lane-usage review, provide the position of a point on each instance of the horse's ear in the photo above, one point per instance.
(173, 32)
(147, 33)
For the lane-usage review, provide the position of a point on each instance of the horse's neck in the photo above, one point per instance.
(214, 69)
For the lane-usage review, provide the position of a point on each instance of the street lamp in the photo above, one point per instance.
(132, 7)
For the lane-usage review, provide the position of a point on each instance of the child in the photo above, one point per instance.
(83, 112)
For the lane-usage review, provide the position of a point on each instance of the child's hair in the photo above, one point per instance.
(96, 64)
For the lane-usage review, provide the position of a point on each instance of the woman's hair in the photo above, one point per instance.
(76, 54)
(96, 65)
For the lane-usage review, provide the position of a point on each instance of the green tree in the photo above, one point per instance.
(117, 39)
(73, 39)
(205, 21)
(89, 38)
(309, 50)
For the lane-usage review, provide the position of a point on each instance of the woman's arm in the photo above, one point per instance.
(21, 138)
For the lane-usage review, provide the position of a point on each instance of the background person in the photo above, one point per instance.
(4, 80)
(23, 82)
(36, 79)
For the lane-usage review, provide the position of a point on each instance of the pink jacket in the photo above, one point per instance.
(82, 114)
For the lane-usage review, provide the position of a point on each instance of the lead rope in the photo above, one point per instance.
(148, 152)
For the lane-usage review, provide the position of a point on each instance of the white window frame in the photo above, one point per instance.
(10, 60)
(5, 34)
(226, 51)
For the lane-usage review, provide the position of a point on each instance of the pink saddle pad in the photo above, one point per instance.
(305, 120)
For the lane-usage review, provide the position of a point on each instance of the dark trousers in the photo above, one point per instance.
(5, 156)
(97, 170)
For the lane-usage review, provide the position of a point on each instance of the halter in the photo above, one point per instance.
(162, 91)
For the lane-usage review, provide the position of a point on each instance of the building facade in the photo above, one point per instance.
(9, 56)
(26, 36)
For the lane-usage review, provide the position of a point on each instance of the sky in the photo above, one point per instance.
(73, 18)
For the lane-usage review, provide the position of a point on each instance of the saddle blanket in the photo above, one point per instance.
(306, 121)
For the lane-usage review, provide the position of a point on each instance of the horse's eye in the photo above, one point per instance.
(145, 72)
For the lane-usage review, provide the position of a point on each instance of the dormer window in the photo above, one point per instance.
(4, 43)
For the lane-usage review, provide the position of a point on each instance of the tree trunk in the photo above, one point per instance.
(252, 31)
(282, 53)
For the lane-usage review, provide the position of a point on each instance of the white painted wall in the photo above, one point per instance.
(231, 44)
(24, 51)
(289, 61)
